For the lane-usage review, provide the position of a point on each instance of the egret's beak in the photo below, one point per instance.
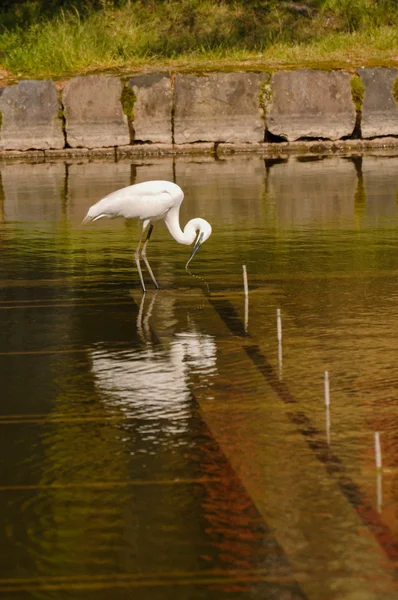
(196, 247)
(85, 220)
(88, 219)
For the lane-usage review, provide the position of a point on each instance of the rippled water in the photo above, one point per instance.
(166, 447)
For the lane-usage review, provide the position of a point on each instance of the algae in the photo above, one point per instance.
(395, 90)
(265, 95)
(357, 92)
(128, 100)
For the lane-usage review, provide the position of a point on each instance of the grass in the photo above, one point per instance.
(202, 35)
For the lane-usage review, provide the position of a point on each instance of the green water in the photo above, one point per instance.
(165, 447)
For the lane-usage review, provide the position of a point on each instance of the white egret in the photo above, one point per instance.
(151, 201)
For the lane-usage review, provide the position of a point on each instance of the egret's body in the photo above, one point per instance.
(151, 201)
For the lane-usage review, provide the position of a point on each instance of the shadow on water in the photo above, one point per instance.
(153, 443)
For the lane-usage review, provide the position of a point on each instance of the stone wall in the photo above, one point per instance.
(174, 112)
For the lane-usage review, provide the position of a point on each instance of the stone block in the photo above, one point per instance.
(30, 116)
(93, 112)
(197, 148)
(224, 107)
(380, 110)
(68, 153)
(311, 104)
(239, 148)
(144, 150)
(15, 156)
(152, 108)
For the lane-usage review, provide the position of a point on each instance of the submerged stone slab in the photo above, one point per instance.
(30, 116)
(93, 112)
(224, 107)
(152, 108)
(380, 110)
(311, 104)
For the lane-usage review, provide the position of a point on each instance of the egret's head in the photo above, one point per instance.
(203, 231)
(97, 211)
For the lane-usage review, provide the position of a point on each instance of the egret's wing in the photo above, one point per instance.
(142, 201)
(148, 206)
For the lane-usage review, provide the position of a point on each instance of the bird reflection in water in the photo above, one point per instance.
(155, 381)
(154, 384)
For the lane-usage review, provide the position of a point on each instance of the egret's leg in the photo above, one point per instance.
(143, 254)
(137, 261)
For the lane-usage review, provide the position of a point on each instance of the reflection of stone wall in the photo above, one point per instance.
(21, 183)
(381, 186)
(231, 189)
(314, 191)
(154, 169)
(87, 183)
(223, 108)
(241, 189)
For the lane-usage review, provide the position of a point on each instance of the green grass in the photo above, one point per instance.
(197, 35)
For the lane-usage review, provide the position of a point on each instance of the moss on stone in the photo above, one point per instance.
(265, 95)
(61, 117)
(357, 92)
(128, 100)
(395, 90)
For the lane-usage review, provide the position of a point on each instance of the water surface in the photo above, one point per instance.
(165, 447)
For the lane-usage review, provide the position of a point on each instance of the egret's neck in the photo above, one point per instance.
(173, 225)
